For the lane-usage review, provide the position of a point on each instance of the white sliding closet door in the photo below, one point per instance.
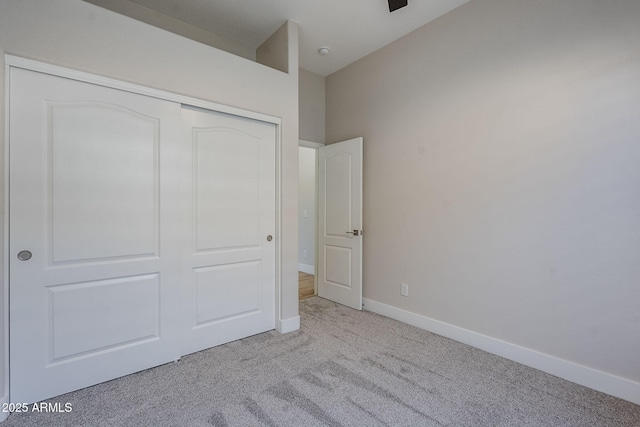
(231, 249)
(140, 230)
(94, 247)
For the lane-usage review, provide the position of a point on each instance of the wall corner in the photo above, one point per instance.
(293, 55)
(280, 50)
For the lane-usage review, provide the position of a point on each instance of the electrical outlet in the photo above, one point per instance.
(304, 253)
(404, 290)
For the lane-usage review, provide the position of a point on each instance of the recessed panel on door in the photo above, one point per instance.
(227, 188)
(337, 182)
(226, 290)
(103, 315)
(337, 265)
(103, 171)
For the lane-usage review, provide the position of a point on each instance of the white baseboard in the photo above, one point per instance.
(3, 401)
(288, 325)
(309, 269)
(588, 377)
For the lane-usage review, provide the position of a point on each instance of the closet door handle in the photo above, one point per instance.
(24, 255)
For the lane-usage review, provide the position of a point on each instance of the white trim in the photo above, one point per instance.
(305, 268)
(3, 401)
(5, 261)
(279, 209)
(316, 236)
(588, 377)
(309, 144)
(288, 325)
(55, 70)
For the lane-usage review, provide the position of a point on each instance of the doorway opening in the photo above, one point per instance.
(307, 218)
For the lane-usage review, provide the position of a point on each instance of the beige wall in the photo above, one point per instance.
(82, 36)
(312, 106)
(157, 19)
(274, 52)
(502, 174)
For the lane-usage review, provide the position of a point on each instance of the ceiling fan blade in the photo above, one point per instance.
(397, 4)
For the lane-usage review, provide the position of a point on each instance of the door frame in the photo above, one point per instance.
(314, 146)
(12, 61)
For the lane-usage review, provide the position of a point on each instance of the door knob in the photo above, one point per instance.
(269, 238)
(24, 255)
(354, 233)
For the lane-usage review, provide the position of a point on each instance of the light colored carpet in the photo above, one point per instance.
(343, 368)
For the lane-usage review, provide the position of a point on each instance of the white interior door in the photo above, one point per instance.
(94, 246)
(340, 222)
(230, 254)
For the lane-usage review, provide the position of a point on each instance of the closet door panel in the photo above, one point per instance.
(94, 234)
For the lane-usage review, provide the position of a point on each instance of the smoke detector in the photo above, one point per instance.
(324, 51)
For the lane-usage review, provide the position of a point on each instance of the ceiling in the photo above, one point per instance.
(351, 28)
